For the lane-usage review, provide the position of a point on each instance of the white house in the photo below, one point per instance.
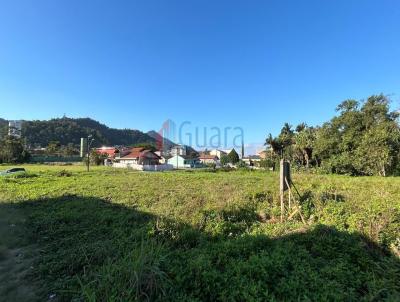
(208, 159)
(141, 159)
(218, 153)
(179, 150)
(251, 159)
(183, 161)
(15, 128)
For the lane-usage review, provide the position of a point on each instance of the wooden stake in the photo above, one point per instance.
(282, 205)
(290, 192)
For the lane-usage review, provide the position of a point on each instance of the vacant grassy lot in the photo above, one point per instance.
(116, 235)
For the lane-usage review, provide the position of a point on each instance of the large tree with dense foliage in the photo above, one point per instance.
(12, 150)
(304, 140)
(233, 157)
(363, 139)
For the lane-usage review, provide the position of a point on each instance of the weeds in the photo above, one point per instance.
(114, 235)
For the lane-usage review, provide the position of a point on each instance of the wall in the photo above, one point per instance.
(164, 167)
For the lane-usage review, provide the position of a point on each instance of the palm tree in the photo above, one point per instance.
(304, 141)
(274, 144)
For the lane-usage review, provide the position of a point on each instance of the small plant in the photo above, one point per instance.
(64, 173)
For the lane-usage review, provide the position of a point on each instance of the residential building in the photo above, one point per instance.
(111, 152)
(208, 159)
(265, 153)
(184, 161)
(251, 160)
(15, 128)
(179, 150)
(218, 153)
(139, 156)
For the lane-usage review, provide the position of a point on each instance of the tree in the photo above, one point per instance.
(233, 157)
(378, 151)
(304, 143)
(285, 140)
(69, 150)
(224, 160)
(347, 106)
(12, 151)
(363, 139)
(96, 158)
(274, 144)
(53, 147)
(241, 164)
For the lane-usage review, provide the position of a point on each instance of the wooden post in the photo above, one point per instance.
(284, 184)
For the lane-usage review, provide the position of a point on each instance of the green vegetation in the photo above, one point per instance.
(364, 139)
(233, 157)
(12, 150)
(68, 132)
(118, 235)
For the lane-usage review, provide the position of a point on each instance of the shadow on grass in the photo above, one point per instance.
(98, 251)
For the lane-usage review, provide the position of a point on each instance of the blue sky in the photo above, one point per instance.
(252, 64)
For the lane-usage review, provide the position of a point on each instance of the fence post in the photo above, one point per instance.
(284, 183)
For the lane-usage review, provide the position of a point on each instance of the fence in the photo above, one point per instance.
(163, 167)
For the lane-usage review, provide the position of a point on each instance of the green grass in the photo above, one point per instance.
(118, 235)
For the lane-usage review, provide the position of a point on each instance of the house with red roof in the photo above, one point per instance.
(139, 156)
(208, 159)
(110, 152)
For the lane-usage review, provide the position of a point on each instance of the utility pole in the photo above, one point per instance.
(87, 153)
(85, 146)
(242, 149)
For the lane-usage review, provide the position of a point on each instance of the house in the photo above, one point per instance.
(183, 150)
(110, 152)
(251, 160)
(163, 158)
(178, 150)
(265, 153)
(140, 156)
(218, 153)
(142, 160)
(208, 159)
(184, 161)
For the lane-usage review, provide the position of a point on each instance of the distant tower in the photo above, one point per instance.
(15, 128)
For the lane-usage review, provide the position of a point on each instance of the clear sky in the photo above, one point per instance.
(252, 64)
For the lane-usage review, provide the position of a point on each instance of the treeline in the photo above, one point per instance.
(67, 131)
(363, 139)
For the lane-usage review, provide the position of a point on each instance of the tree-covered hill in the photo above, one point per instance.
(69, 130)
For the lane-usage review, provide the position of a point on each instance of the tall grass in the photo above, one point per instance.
(137, 276)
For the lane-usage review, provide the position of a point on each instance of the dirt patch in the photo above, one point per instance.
(16, 258)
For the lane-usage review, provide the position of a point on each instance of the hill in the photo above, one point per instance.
(155, 135)
(69, 130)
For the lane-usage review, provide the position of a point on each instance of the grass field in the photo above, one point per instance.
(118, 235)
